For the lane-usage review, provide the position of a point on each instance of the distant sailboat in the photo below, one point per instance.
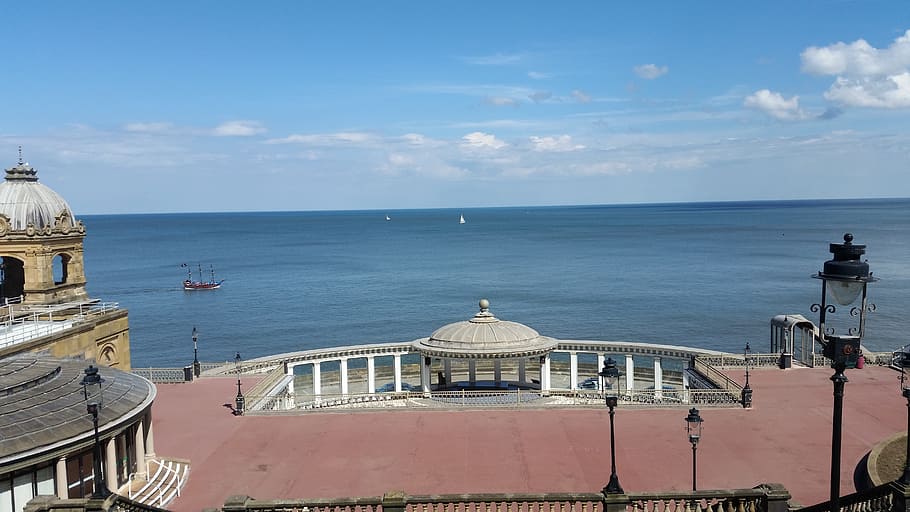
(461, 220)
(388, 218)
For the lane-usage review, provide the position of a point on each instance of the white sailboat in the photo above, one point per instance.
(388, 218)
(461, 220)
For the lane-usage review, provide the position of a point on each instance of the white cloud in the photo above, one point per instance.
(149, 127)
(238, 129)
(326, 139)
(865, 76)
(581, 96)
(481, 140)
(879, 92)
(775, 105)
(537, 75)
(501, 101)
(650, 71)
(858, 58)
(554, 144)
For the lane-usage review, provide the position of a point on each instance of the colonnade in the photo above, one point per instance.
(426, 374)
(142, 442)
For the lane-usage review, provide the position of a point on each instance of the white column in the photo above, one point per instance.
(371, 374)
(573, 370)
(447, 365)
(630, 373)
(397, 364)
(472, 371)
(149, 437)
(658, 379)
(63, 491)
(523, 370)
(289, 371)
(425, 365)
(343, 374)
(317, 379)
(601, 360)
(139, 444)
(110, 465)
(497, 370)
(545, 374)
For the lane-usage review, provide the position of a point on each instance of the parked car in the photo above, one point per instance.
(589, 383)
(389, 387)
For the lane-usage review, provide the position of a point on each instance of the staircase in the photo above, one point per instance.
(165, 479)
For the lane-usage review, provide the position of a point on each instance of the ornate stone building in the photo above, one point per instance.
(42, 279)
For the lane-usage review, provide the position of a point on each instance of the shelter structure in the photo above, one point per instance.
(47, 438)
(485, 338)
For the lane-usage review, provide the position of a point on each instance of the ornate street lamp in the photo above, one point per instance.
(746, 394)
(93, 401)
(240, 401)
(693, 428)
(903, 360)
(195, 354)
(845, 277)
(609, 374)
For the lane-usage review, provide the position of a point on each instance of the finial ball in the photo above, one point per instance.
(484, 304)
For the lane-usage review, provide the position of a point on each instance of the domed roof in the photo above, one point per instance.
(485, 336)
(25, 201)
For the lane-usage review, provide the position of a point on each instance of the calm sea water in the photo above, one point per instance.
(706, 275)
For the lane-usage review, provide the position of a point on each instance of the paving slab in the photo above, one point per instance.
(784, 438)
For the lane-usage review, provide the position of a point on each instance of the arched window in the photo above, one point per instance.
(61, 262)
(12, 278)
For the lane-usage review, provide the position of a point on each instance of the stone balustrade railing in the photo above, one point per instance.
(763, 498)
(888, 497)
(113, 503)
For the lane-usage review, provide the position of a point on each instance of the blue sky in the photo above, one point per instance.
(247, 106)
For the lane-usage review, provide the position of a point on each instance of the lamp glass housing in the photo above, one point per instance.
(693, 425)
(609, 374)
(844, 292)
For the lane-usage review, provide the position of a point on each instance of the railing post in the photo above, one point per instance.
(616, 502)
(777, 497)
(394, 501)
(900, 497)
(236, 503)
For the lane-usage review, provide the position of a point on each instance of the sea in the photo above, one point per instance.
(708, 275)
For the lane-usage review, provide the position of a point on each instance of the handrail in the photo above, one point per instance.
(719, 378)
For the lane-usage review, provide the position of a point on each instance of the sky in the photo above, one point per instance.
(167, 106)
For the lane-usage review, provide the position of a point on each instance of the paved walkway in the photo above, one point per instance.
(785, 438)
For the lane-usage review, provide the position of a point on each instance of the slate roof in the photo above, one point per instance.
(42, 401)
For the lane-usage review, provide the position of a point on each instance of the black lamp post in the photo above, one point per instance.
(93, 401)
(693, 428)
(845, 277)
(240, 401)
(609, 374)
(904, 362)
(196, 369)
(747, 389)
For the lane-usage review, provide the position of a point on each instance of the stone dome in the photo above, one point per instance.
(483, 337)
(24, 201)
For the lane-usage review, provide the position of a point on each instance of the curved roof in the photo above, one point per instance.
(42, 402)
(483, 337)
(25, 201)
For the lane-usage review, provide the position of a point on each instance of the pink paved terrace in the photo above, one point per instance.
(785, 438)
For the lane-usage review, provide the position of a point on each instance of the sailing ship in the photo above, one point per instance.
(461, 220)
(388, 218)
(190, 284)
